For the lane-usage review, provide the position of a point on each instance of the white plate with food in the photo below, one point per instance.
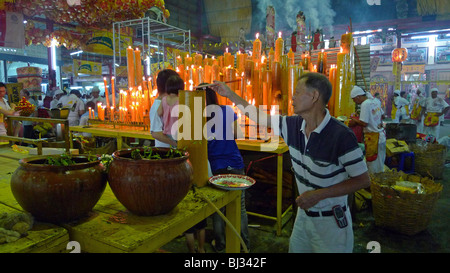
(232, 182)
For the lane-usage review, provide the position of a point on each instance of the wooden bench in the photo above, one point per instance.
(37, 142)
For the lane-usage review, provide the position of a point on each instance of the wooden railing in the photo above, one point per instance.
(37, 142)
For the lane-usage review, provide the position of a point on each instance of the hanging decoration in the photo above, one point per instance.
(71, 39)
(399, 55)
(98, 13)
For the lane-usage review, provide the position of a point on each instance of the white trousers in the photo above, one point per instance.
(377, 165)
(434, 131)
(320, 234)
(419, 125)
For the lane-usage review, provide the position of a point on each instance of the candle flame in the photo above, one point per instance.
(279, 34)
(263, 58)
(323, 50)
(177, 70)
(226, 49)
(253, 102)
(191, 85)
(272, 111)
(341, 49)
(248, 82)
(257, 35)
(154, 93)
(242, 74)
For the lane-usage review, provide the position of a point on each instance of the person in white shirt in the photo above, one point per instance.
(374, 136)
(56, 96)
(95, 96)
(76, 106)
(418, 110)
(85, 117)
(435, 107)
(401, 106)
(5, 110)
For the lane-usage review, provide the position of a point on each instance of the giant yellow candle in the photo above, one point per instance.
(130, 67)
(278, 48)
(191, 123)
(339, 81)
(291, 57)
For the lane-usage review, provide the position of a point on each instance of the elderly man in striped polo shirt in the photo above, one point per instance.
(327, 162)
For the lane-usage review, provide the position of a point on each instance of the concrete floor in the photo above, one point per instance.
(435, 239)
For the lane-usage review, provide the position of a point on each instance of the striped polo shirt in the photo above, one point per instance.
(330, 155)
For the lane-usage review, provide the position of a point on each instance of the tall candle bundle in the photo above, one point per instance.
(192, 139)
(138, 66)
(278, 48)
(257, 49)
(332, 78)
(130, 67)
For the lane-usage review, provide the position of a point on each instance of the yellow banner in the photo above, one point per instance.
(101, 42)
(419, 68)
(87, 67)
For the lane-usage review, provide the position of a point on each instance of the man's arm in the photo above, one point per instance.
(310, 198)
(224, 90)
(163, 138)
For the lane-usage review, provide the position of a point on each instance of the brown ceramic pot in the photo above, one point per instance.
(149, 187)
(58, 194)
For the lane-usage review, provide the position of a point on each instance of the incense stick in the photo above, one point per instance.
(211, 84)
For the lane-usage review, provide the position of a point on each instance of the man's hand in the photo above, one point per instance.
(308, 199)
(222, 89)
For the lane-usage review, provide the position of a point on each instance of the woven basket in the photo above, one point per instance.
(402, 211)
(429, 159)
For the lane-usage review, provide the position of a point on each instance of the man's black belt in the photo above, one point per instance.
(324, 213)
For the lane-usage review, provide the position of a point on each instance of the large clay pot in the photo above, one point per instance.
(58, 194)
(149, 187)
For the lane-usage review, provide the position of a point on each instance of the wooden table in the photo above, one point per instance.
(103, 231)
(278, 148)
(43, 237)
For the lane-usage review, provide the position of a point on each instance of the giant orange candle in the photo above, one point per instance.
(113, 91)
(130, 66)
(257, 49)
(106, 92)
(138, 65)
(332, 78)
(198, 59)
(278, 48)
(188, 61)
(240, 62)
(227, 58)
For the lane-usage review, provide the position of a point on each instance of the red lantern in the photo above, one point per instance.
(399, 55)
